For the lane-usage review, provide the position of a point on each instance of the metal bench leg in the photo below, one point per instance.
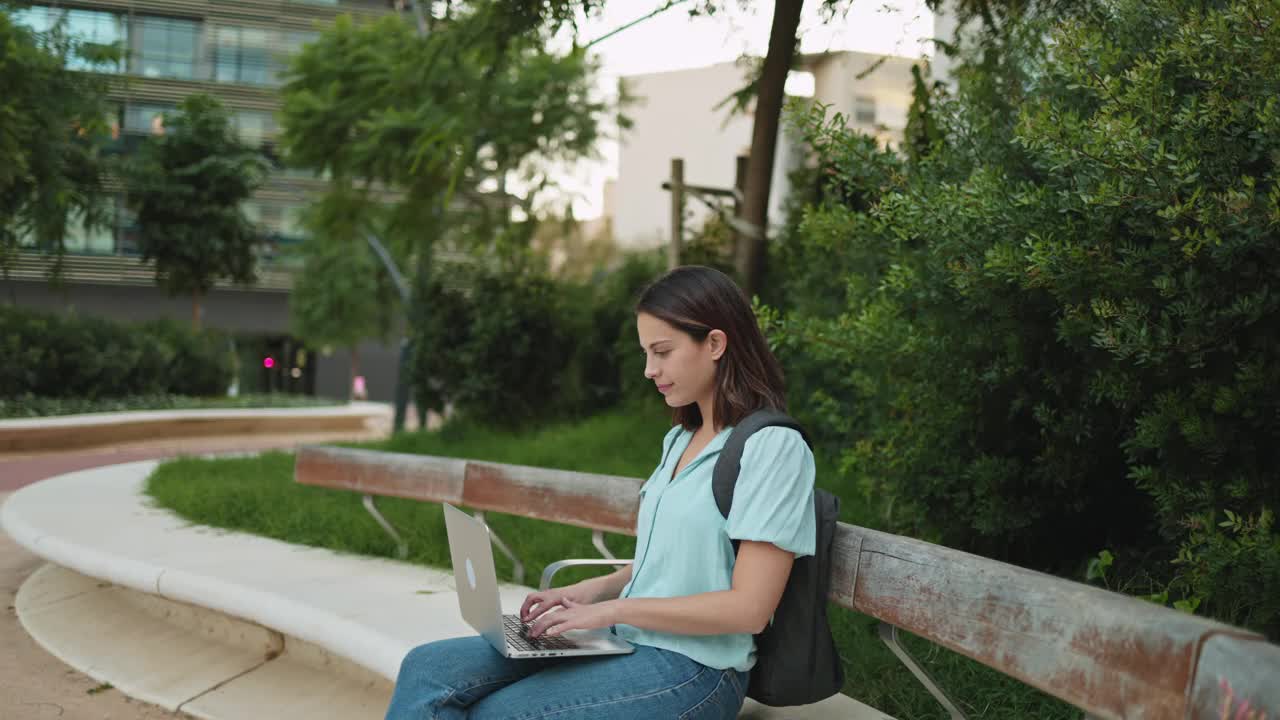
(597, 539)
(517, 567)
(402, 547)
(889, 634)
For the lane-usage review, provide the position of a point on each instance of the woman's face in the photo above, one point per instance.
(683, 369)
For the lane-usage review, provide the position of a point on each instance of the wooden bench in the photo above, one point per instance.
(1108, 654)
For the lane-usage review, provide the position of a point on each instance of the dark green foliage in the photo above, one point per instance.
(922, 132)
(187, 186)
(618, 299)
(1060, 329)
(711, 245)
(343, 293)
(511, 346)
(52, 133)
(63, 356)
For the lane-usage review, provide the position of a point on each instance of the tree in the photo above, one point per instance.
(764, 140)
(445, 118)
(53, 124)
(769, 94)
(186, 187)
(342, 295)
(442, 118)
(922, 131)
(1059, 329)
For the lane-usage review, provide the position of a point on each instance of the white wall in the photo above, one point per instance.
(675, 116)
(945, 28)
(837, 83)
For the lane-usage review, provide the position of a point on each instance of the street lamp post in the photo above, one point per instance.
(402, 371)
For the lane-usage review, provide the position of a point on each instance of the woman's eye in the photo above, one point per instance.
(661, 353)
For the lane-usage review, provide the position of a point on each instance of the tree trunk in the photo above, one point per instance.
(197, 311)
(749, 255)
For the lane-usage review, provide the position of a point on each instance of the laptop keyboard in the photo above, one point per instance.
(518, 637)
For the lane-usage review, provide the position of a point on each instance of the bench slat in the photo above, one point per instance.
(1238, 677)
(596, 502)
(1112, 655)
(417, 477)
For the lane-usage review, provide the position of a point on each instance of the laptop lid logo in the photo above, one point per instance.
(471, 574)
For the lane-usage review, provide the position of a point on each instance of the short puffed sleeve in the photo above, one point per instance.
(773, 499)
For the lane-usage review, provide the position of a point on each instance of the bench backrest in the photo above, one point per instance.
(597, 502)
(1109, 654)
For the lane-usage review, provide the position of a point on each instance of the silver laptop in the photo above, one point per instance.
(477, 584)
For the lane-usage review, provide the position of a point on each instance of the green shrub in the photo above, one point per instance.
(67, 356)
(1060, 328)
(509, 347)
(192, 363)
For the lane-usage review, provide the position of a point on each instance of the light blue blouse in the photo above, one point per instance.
(683, 543)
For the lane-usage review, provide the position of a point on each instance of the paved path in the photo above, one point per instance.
(33, 684)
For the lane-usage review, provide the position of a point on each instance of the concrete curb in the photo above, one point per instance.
(189, 659)
(189, 580)
(99, 429)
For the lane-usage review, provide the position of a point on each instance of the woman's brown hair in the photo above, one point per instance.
(697, 300)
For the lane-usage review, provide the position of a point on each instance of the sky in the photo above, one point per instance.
(674, 41)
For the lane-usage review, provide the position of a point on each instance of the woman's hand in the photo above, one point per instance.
(573, 615)
(538, 603)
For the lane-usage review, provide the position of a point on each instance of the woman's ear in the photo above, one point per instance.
(719, 343)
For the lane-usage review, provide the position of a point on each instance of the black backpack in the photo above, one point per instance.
(796, 658)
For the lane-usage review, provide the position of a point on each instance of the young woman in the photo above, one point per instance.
(688, 604)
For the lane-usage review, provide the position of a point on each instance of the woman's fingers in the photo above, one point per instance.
(530, 601)
(539, 606)
(558, 621)
(546, 622)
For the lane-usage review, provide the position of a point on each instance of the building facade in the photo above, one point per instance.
(682, 114)
(234, 50)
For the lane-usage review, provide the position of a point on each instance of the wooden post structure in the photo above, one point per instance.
(677, 213)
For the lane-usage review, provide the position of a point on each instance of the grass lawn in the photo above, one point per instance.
(33, 407)
(258, 495)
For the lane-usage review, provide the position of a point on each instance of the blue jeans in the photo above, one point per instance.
(467, 678)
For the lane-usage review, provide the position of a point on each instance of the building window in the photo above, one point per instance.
(292, 42)
(82, 240)
(165, 47)
(99, 240)
(26, 238)
(292, 228)
(253, 126)
(127, 235)
(243, 55)
(146, 119)
(864, 110)
(295, 39)
(113, 120)
(81, 26)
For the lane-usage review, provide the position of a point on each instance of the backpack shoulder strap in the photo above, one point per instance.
(724, 478)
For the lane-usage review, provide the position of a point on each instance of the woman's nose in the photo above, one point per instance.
(649, 371)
